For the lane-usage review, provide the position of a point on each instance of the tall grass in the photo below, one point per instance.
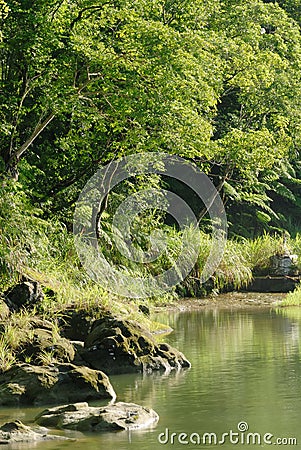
(45, 251)
(246, 258)
(293, 298)
(235, 269)
(257, 252)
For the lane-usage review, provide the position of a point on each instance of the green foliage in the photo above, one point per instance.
(82, 83)
(4, 10)
(234, 270)
(7, 358)
(293, 298)
(210, 81)
(258, 251)
(21, 231)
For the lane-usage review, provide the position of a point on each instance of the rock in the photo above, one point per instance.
(283, 265)
(4, 310)
(41, 341)
(77, 325)
(78, 347)
(81, 417)
(26, 294)
(27, 384)
(121, 346)
(17, 432)
(273, 284)
(49, 341)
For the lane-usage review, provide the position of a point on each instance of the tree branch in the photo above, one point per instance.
(218, 189)
(81, 13)
(14, 157)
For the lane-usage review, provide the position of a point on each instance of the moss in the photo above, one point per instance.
(88, 375)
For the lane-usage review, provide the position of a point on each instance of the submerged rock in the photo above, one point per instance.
(17, 432)
(121, 346)
(27, 384)
(82, 417)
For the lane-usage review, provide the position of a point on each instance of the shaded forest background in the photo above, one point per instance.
(84, 82)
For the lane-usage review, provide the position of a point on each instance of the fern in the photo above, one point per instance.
(283, 191)
(261, 200)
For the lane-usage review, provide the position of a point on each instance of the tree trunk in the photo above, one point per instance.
(13, 159)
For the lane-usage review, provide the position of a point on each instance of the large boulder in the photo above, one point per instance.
(121, 346)
(27, 384)
(82, 417)
(16, 432)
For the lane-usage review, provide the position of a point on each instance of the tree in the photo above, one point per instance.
(84, 82)
(258, 120)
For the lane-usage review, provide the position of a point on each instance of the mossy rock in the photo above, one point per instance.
(121, 346)
(39, 338)
(47, 341)
(27, 384)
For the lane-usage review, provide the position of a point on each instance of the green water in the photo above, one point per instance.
(245, 367)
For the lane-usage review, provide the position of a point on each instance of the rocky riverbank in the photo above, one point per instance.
(66, 361)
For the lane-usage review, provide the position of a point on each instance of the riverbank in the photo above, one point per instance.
(68, 359)
(75, 354)
(230, 300)
(245, 365)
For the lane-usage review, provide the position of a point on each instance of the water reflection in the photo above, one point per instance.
(219, 336)
(246, 364)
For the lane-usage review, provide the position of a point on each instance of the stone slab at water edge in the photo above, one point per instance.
(82, 417)
(27, 384)
(16, 432)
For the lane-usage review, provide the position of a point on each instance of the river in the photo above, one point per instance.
(246, 374)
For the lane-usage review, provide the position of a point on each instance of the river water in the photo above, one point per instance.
(246, 373)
